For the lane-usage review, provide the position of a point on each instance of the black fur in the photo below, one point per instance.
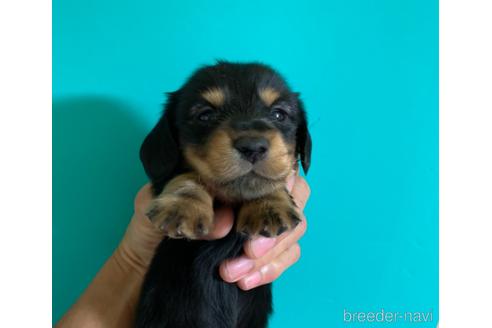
(182, 287)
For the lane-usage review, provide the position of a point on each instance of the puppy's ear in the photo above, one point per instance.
(160, 151)
(303, 138)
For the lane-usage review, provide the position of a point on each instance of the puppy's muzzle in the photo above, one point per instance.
(252, 149)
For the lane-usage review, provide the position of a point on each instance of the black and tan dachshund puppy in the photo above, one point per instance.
(231, 135)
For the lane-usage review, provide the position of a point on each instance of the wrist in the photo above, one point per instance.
(111, 298)
(137, 248)
(127, 262)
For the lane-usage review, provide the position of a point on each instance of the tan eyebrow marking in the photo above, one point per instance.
(215, 96)
(269, 95)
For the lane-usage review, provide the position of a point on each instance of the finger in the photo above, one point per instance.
(291, 179)
(234, 269)
(261, 246)
(140, 220)
(282, 245)
(143, 198)
(223, 221)
(271, 271)
(300, 192)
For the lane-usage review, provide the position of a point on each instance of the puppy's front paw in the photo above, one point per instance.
(180, 217)
(268, 217)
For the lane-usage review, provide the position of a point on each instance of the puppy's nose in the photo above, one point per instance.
(252, 149)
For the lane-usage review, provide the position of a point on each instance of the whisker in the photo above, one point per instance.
(281, 154)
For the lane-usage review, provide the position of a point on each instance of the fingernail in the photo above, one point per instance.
(252, 280)
(239, 267)
(290, 182)
(261, 245)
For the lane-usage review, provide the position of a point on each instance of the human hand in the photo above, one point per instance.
(264, 260)
(141, 239)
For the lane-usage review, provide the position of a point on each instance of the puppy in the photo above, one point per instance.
(231, 135)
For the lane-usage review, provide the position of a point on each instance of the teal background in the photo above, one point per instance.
(368, 73)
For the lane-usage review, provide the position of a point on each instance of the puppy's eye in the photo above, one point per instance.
(278, 114)
(205, 115)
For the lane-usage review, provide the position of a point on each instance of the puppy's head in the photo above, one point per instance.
(239, 126)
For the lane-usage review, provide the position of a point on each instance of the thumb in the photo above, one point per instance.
(224, 219)
(143, 199)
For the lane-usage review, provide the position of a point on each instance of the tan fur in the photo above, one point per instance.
(217, 160)
(184, 209)
(280, 160)
(268, 95)
(214, 96)
(269, 216)
(218, 163)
